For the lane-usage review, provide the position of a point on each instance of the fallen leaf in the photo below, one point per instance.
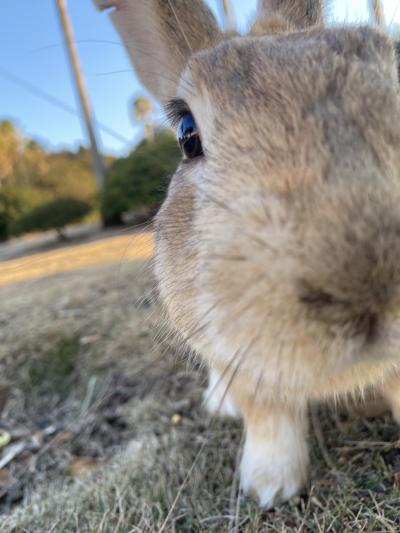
(63, 437)
(5, 476)
(6, 482)
(80, 466)
(4, 394)
(176, 419)
(5, 438)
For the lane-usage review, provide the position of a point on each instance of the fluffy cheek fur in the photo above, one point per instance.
(235, 299)
(176, 253)
(251, 320)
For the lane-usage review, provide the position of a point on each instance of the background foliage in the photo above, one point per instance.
(53, 215)
(140, 180)
(30, 177)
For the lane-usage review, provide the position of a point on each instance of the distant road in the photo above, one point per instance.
(117, 249)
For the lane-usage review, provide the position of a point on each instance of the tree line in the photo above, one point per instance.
(41, 189)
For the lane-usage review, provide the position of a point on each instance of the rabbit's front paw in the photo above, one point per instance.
(395, 406)
(274, 469)
(392, 395)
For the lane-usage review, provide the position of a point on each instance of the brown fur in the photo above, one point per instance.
(278, 253)
(161, 45)
(299, 14)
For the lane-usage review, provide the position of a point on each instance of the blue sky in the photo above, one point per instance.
(31, 48)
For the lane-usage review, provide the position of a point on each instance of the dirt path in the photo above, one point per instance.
(110, 250)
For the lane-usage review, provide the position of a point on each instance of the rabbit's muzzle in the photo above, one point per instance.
(350, 273)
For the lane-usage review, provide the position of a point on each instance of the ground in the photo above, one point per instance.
(106, 408)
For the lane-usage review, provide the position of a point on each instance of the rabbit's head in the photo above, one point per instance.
(278, 246)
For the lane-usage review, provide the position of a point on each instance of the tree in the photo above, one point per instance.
(70, 174)
(34, 164)
(140, 180)
(15, 201)
(8, 211)
(30, 176)
(10, 149)
(53, 215)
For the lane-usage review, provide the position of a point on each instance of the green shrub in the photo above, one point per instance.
(8, 207)
(30, 175)
(15, 201)
(140, 180)
(53, 215)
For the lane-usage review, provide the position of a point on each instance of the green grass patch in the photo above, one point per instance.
(51, 371)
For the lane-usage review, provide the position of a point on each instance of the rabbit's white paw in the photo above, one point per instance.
(274, 469)
(395, 406)
(392, 395)
(217, 399)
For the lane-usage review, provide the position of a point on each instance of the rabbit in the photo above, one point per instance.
(278, 244)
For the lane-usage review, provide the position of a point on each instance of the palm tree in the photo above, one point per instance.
(143, 111)
(377, 14)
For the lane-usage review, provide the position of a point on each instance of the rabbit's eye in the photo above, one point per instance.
(189, 137)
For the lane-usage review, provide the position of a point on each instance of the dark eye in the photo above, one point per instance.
(189, 137)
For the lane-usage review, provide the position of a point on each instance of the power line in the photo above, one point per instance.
(77, 41)
(50, 99)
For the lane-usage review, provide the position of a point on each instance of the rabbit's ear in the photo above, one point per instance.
(288, 14)
(161, 35)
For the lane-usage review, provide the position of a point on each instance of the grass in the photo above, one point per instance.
(69, 258)
(51, 372)
(78, 351)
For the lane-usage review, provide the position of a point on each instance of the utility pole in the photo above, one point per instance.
(98, 164)
(230, 19)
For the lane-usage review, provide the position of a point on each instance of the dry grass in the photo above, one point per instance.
(78, 350)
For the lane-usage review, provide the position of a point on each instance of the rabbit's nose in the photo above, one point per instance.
(349, 276)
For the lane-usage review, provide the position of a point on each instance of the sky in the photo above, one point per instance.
(32, 56)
